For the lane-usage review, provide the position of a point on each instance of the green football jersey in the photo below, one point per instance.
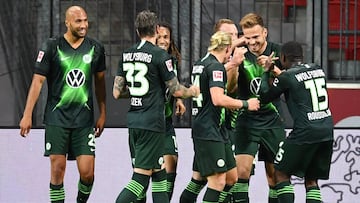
(249, 80)
(146, 67)
(304, 86)
(208, 120)
(169, 102)
(69, 74)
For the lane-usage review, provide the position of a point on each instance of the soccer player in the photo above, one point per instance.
(165, 41)
(256, 131)
(226, 25)
(307, 150)
(213, 158)
(144, 72)
(68, 63)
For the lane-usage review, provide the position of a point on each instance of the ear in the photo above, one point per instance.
(265, 31)
(228, 49)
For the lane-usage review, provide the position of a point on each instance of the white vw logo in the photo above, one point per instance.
(255, 85)
(75, 78)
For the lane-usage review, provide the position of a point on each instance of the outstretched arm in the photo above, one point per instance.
(33, 96)
(220, 99)
(179, 90)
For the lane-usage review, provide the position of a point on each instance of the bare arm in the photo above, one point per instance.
(120, 90)
(178, 90)
(33, 96)
(232, 68)
(220, 99)
(101, 100)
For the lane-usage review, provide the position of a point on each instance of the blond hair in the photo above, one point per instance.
(250, 20)
(219, 41)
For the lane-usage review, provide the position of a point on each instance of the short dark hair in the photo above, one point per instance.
(292, 51)
(145, 23)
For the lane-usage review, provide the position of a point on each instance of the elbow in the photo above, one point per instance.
(177, 94)
(116, 94)
(216, 101)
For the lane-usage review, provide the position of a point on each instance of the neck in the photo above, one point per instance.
(72, 40)
(151, 39)
(218, 55)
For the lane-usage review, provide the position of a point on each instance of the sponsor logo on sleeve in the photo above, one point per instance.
(40, 56)
(169, 65)
(218, 76)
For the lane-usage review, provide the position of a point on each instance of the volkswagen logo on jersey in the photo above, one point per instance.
(255, 85)
(75, 78)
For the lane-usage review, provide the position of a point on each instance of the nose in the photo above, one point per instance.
(251, 41)
(83, 24)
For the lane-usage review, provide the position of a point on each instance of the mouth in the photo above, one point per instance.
(162, 46)
(82, 31)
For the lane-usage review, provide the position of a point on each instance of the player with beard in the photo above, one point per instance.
(145, 71)
(69, 63)
(256, 132)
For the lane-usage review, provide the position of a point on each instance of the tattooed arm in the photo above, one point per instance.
(178, 90)
(120, 89)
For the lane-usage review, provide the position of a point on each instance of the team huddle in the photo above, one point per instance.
(236, 113)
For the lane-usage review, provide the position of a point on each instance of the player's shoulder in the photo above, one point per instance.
(93, 41)
(55, 40)
(274, 47)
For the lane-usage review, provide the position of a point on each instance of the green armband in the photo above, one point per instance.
(245, 104)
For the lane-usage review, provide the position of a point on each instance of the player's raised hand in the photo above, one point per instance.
(266, 61)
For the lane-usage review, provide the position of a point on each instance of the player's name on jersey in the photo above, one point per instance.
(318, 115)
(197, 69)
(137, 56)
(135, 101)
(309, 75)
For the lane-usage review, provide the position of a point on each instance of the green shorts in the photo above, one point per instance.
(70, 141)
(305, 160)
(170, 142)
(146, 148)
(265, 141)
(212, 157)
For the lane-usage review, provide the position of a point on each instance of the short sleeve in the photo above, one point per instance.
(44, 56)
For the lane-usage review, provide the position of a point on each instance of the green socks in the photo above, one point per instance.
(159, 193)
(134, 188)
(170, 178)
(313, 195)
(192, 190)
(240, 191)
(225, 195)
(84, 190)
(285, 192)
(272, 195)
(211, 196)
(57, 193)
